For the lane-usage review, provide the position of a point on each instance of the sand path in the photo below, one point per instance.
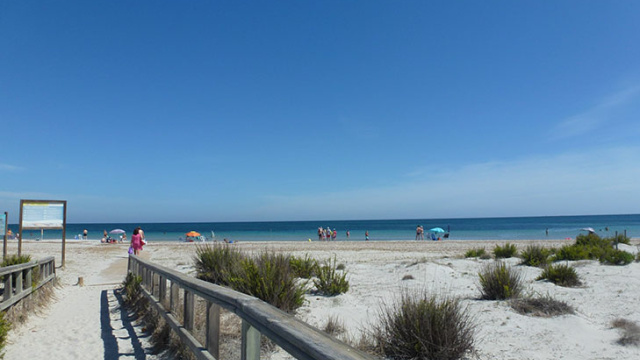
(82, 322)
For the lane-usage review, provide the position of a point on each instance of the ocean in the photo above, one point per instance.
(509, 228)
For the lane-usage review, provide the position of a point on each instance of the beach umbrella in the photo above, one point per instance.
(193, 233)
(117, 231)
(588, 229)
(436, 230)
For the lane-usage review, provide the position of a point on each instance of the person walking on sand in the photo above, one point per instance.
(419, 233)
(366, 235)
(136, 241)
(84, 234)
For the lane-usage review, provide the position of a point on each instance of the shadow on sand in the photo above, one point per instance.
(113, 304)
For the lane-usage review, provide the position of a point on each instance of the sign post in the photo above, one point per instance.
(43, 214)
(4, 221)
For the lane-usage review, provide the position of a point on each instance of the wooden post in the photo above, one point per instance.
(213, 329)
(162, 294)
(250, 342)
(20, 231)
(174, 296)
(19, 287)
(189, 308)
(6, 227)
(152, 278)
(28, 281)
(8, 287)
(64, 232)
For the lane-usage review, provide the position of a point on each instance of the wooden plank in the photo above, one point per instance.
(28, 280)
(18, 276)
(162, 295)
(250, 342)
(213, 329)
(8, 287)
(189, 309)
(175, 296)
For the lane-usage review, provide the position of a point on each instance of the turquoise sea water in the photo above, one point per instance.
(515, 228)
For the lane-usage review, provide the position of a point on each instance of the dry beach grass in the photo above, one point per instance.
(377, 272)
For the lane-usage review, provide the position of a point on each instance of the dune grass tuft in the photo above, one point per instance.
(268, 276)
(535, 255)
(630, 332)
(305, 268)
(499, 281)
(506, 251)
(330, 281)
(542, 306)
(477, 252)
(422, 326)
(561, 274)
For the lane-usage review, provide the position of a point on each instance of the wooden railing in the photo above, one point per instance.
(299, 339)
(18, 279)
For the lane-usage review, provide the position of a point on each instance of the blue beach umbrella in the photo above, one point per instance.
(436, 230)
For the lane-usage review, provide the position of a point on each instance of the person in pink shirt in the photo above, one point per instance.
(136, 241)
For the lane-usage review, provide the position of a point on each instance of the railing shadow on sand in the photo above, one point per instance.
(299, 339)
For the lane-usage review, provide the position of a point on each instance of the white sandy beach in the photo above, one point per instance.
(85, 322)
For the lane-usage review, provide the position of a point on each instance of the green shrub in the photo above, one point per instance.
(621, 239)
(544, 306)
(5, 326)
(419, 326)
(499, 282)
(561, 274)
(131, 288)
(638, 256)
(617, 257)
(304, 268)
(535, 255)
(593, 247)
(216, 263)
(477, 252)
(270, 278)
(15, 260)
(576, 252)
(506, 251)
(329, 281)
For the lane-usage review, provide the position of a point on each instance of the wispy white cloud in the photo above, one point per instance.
(598, 116)
(10, 168)
(602, 181)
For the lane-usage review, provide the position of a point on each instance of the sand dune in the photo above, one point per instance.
(73, 326)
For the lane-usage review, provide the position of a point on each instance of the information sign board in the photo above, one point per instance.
(42, 215)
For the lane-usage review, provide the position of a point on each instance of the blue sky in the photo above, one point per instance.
(138, 111)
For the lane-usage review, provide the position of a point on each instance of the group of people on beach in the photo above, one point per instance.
(108, 239)
(327, 234)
